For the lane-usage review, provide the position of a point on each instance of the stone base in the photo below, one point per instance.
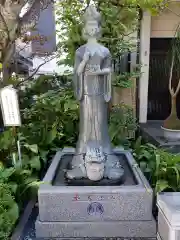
(126, 229)
(169, 216)
(123, 210)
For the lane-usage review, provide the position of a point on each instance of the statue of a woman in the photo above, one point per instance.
(92, 81)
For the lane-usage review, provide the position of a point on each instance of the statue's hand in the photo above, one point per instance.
(86, 56)
(83, 63)
(90, 73)
(79, 70)
(104, 71)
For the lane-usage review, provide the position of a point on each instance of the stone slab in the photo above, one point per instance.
(27, 230)
(119, 238)
(70, 203)
(169, 204)
(165, 230)
(163, 227)
(124, 229)
(169, 216)
(133, 204)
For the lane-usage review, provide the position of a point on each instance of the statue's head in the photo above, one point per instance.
(92, 19)
(95, 171)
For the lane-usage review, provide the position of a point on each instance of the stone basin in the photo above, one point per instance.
(78, 211)
(59, 178)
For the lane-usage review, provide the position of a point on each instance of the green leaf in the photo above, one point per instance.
(143, 165)
(148, 170)
(146, 154)
(43, 155)
(35, 163)
(31, 183)
(176, 171)
(158, 160)
(13, 186)
(6, 139)
(151, 146)
(138, 143)
(13, 212)
(161, 185)
(51, 135)
(33, 148)
(25, 172)
(6, 173)
(31, 179)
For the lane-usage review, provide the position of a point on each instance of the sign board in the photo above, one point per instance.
(10, 106)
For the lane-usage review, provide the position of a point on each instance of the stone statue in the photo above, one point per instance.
(94, 158)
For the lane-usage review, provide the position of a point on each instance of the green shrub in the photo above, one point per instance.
(161, 168)
(9, 211)
(122, 124)
(14, 182)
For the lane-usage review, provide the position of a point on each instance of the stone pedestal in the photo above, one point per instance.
(95, 211)
(169, 216)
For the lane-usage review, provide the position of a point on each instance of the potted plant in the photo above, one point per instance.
(171, 126)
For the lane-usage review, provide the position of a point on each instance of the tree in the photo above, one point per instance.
(173, 122)
(119, 19)
(16, 18)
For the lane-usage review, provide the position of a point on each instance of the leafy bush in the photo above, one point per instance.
(124, 80)
(14, 182)
(161, 168)
(46, 125)
(122, 124)
(9, 211)
(52, 119)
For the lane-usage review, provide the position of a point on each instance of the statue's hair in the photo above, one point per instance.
(91, 14)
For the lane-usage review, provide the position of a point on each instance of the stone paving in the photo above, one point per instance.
(29, 232)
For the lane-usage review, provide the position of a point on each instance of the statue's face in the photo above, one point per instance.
(92, 29)
(95, 171)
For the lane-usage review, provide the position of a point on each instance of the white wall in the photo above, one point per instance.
(144, 60)
(50, 67)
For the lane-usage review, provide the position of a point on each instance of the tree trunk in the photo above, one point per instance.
(173, 106)
(6, 75)
(8, 55)
(172, 122)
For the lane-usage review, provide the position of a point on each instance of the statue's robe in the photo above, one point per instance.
(94, 93)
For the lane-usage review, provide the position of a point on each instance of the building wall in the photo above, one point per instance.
(47, 31)
(165, 25)
(46, 28)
